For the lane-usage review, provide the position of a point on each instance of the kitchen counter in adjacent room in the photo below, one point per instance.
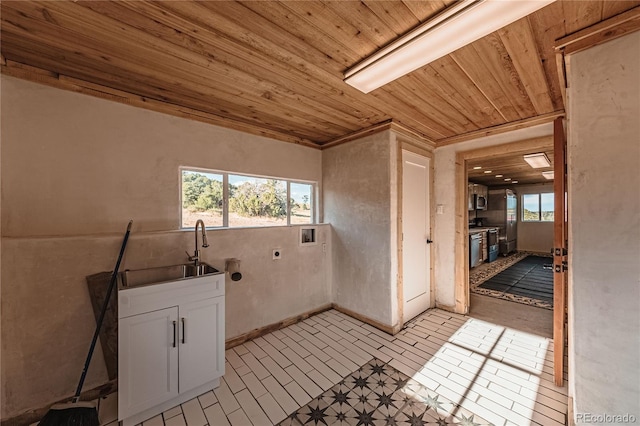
(484, 250)
(481, 229)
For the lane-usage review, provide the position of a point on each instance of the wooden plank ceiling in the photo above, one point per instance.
(277, 66)
(493, 171)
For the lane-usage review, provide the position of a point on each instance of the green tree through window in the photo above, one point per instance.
(247, 201)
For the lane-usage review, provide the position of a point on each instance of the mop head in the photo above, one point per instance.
(72, 414)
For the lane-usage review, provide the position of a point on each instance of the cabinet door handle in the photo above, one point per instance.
(184, 335)
(174, 333)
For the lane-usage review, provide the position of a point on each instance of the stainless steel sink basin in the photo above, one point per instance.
(138, 277)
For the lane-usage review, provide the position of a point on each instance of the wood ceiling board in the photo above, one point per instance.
(281, 64)
(424, 10)
(510, 166)
(322, 22)
(278, 100)
(468, 59)
(283, 78)
(270, 124)
(424, 98)
(457, 87)
(49, 78)
(308, 69)
(494, 54)
(611, 8)
(428, 82)
(312, 102)
(118, 77)
(547, 28)
(581, 14)
(364, 19)
(396, 15)
(409, 113)
(285, 30)
(519, 41)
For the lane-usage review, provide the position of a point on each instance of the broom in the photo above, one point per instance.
(80, 413)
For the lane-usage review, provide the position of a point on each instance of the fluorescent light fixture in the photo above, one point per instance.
(488, 171)
(548, 175)
(457, 26)
(538, 160)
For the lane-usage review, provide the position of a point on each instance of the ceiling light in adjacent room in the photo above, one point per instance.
(538, 160)
(488, 171)
(456, 26)
(507, 179)
(477, 168)
(548, 175)
(498, 176)
(514, 181)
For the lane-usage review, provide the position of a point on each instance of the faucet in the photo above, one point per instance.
(196, 255)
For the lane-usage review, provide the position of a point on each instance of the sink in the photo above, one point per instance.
(138, 277)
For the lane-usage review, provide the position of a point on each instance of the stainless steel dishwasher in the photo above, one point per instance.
(474, 249)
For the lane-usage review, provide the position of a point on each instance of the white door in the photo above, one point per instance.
(147, 360)
(201, 342)
(415, 235)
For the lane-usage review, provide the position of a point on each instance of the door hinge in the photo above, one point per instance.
(562, 267)
(559, 251)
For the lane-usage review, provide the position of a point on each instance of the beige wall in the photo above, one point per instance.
(534, 236)
(75, 169)
(358, 183)
(604, 228)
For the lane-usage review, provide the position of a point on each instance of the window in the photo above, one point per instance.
(222, 199)
(537, 207)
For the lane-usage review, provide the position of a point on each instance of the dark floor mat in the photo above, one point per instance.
(526, 278)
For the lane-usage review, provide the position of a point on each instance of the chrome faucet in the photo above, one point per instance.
(196, 255)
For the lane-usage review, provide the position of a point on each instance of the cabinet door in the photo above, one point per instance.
(201, 342)
(147, 360)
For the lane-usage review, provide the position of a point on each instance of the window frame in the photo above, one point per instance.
(225, 196)
(540, 211)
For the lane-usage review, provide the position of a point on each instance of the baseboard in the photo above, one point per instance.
(33, 416)
(570, 418)
(448, 308)
(238, 340)
(386, 328)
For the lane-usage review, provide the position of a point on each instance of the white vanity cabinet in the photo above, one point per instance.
(170, 344)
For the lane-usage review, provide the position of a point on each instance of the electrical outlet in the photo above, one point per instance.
(324, 247)
(277, 254)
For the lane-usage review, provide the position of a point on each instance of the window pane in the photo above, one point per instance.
(256, 201)
(547, 207)
(201, 198)
(301, 199)
(530, 207)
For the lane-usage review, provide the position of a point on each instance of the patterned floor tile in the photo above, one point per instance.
(378, 395)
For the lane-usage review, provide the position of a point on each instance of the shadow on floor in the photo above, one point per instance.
(517, 316)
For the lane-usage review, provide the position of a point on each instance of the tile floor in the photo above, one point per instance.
(482, 373)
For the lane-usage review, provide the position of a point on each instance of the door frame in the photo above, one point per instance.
(407, 145)
(461, 273)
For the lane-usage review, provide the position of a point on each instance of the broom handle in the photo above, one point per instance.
(114, 276)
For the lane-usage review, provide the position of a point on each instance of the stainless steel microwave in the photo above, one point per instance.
(480, 202)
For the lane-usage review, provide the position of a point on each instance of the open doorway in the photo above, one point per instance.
(506, 233)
